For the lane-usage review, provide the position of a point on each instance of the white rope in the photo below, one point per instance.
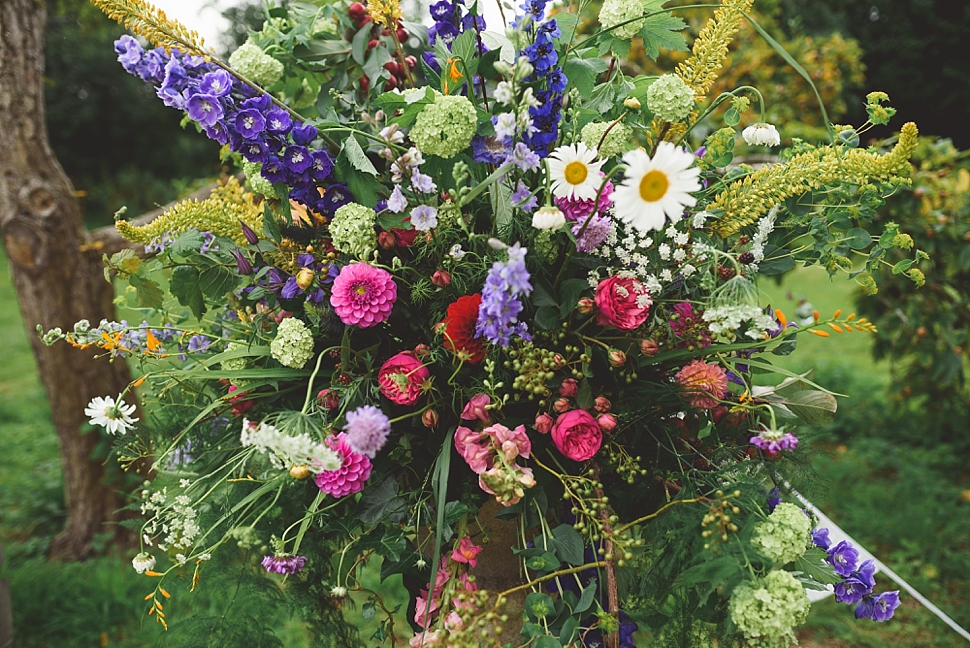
(836, 534)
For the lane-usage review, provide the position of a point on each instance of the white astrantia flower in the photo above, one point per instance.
(143, 562)
(655, 189)
(114, 417)
(548, 218)
(574, 173)
(761, 134)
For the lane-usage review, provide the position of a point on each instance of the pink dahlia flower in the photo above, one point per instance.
(363, 295)
(575, 210)
(402, 378)
(352, 474)
(702, 384)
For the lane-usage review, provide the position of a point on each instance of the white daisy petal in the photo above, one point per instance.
(656, 189)
(114, 417)
(574, 173)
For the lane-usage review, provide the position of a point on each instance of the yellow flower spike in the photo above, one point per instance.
(835, 327)
(781, 318)
(815, 316)
(819, 333)
(836, 314)
(164, 593)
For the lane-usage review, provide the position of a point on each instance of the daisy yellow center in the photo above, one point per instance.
(575, 173)
(653, 185)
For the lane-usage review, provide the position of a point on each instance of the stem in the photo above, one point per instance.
(612, 595)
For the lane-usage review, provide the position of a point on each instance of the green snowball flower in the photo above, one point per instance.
(767, 610)
(784, 536)
(260, 68)
(256, 180)
(352, 230)
(293, 344)
(615, 12)
(236, 364)
(445, 127)
(669, 98)
(618, 141)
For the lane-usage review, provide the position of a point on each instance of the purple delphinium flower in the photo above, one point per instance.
(524, 199)
(859, 584)
(204, 108)
(774, 499)
(524, 157)
(278, 121)
(250, 123)
(500, 307)
(397, 202)
(199, 344)
(217, 83)
(844, 558)
(422, 183)
(281, 564)
(882, 607)
(367, 429)
(820, 538)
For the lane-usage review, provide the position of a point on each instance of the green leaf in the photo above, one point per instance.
(539, 606)
(707, 576)
(187, 243)
(357, 157)
(496, 41)
(587, 598)
(368, 611)
(858, 238)
(271, 228)
(582, 72)
(568, 544)
(148, 293)
(777, 261)
(358, 47)
(732, 117)
(380, 502)
(376, 59)
(813, 407)
(902, 266)
(661, 30)
(584, 396)
(393, 544)
(568, 631)
(543, 294)
(216, 281)
(545, 563)
(184, 285)
(812, 563)
(547, 642)
(571, 290)
(547, 317)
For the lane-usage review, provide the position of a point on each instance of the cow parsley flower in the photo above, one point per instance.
(293, 344)
(654, 189)
(767, 610)
(785, 535)
(113, 416)
(287, 450)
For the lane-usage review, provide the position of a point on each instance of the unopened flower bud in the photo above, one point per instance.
(304, 278)
(299, 471)
(561, 405)
(603, 404)
(607, 422)
(548, 218)
(585, 305)
(328, 399)
(543, 423)
(243, 265)
(386, 240)
(430, 418)
(617, 358)
(441, 278)
(569, 388)
(422, 351)
(649, 347)
(250, 235)
(632, 103)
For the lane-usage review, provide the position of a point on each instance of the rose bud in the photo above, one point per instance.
(569, 388)
(300, 471)
(543, 423)
(585, 305)
(617, 358)
(386, 240)
(558, 362)
(328, 399)
(649, 347)
(430, 418)
(561, 405)
(603, 404)
(607, 422)
(304, 278)
(441, 278)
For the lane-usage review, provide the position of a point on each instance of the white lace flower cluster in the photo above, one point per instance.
(177, 520)
(286, 450)
(784, 536)
(726, 319)
(766, 225)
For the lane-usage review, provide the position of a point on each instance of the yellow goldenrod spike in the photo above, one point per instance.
(819, 333)
(815, 315)
(836, 328)
(164, 593)
(836, 313)
(781, 318)
(849, 318)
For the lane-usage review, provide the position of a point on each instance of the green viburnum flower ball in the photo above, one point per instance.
(784, 536)
(615, 12)
(352, 230)
(257, 66)
(619, 140)
(256, 180)
(669, 98)
(445, 127)
(236, 364)
(766, 611)
(293, 344)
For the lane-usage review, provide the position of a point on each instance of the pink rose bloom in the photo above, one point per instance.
(543, 423)
(702, 384)
(466, 552)
(569, 388)
(402, 378)
(514, 443)
(622, 302)
(469, 445)
(363, 295)
(475, 408)
(352, 474)
(577, 435)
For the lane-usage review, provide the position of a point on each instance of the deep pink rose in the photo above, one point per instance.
(543, 423)
(577, 435)
(622, 302)
(607, 422)
(403, 378)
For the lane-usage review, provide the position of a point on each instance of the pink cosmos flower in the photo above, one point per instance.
(402, 378)
(475, 408)
(622, 302)
(577, 435)
(702, 384)
(363, 295)
(466, 552)
(352, 474)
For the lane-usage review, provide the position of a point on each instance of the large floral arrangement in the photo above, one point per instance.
(481, 291)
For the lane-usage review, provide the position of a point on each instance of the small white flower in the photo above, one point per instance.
(761, 134)
(397, 202)
(143, 562)
(664, 251)
(679, 254)
(392, 134)
(504, 125)
(184, 483)
(205, 556)
(548, 218)
(456, 252)
(700, 218)
(180, 559)
(503, 93)
(574, 173)
(114, 417)
(338, 592)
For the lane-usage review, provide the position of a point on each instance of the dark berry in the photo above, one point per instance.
(356, 11)
(746, 257)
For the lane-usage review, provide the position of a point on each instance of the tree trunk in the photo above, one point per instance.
(57, 282)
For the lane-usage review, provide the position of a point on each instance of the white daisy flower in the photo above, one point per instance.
(761, 134)
(573, 172)
(653, 190)
(115, 418)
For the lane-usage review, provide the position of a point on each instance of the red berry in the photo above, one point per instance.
(411, 61)
(402, 34)
(390, 84)
(372, 43)
(393, 67)
(719, 413)
(357, 11)
(364, 84)
(385, 32)
(365, 20)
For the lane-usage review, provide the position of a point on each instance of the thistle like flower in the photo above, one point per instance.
(367, 429)
(283, 564)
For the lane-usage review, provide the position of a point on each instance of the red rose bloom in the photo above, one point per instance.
(577, 435)
(623, 303)
(459, 332)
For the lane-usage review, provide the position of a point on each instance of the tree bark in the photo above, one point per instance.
(57, 282)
